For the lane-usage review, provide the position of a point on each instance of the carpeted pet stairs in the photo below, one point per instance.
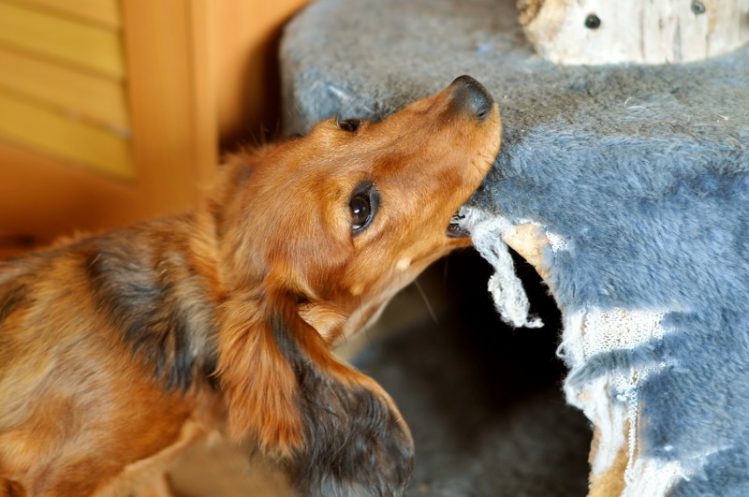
(638, 177)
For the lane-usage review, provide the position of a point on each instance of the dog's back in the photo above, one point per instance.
(75, 387)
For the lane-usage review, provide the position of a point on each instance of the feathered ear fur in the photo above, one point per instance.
(337, 432)
(258, 382)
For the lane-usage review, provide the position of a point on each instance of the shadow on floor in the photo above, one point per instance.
(483, 400)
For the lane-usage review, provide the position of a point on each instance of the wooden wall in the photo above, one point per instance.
(113, 110)
(248, 86)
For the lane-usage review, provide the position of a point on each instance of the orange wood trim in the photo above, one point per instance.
(44, 198)
(248, 81)
(204, 47)
(174, 147)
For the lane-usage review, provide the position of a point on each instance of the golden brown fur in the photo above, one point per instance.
(113, 347)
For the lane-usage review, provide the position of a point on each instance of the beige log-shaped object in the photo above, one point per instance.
(637, 31)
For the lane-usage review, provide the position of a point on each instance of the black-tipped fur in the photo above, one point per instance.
(145, 300)
(355, 445)
(11, 298)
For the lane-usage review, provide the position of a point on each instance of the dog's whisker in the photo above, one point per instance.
(428, 305)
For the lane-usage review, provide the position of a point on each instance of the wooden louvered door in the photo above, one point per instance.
(110, 110)
(106, 112)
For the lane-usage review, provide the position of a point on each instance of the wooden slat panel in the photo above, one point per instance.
(40, 128)
(106, 12)
(100, 99)
(92, 47)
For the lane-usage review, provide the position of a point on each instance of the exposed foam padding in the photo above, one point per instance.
(642, 172)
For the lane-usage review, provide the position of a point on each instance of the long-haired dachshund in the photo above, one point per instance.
(119, 350)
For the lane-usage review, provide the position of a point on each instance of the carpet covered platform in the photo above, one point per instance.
(639, 177)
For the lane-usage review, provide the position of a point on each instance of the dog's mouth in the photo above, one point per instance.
(454, 229)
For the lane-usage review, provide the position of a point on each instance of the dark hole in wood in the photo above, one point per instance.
(592, 21)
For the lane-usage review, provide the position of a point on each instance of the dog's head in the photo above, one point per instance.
(316, 234)
(349, 214)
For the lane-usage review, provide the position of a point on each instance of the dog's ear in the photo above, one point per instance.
(338, 433)
(258, 383)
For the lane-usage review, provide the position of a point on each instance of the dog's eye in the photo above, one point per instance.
(361, 210)
(363, 205)
(349, 125)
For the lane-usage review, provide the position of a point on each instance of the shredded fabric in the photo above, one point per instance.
(618, 328)
(626, 389)
(556, 241)
(589, 332)
(506, 288)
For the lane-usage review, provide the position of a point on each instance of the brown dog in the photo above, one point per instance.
(119, 350)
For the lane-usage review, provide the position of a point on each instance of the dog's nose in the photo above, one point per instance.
(470, 96)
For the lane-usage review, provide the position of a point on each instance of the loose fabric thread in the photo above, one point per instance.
(506, 288)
